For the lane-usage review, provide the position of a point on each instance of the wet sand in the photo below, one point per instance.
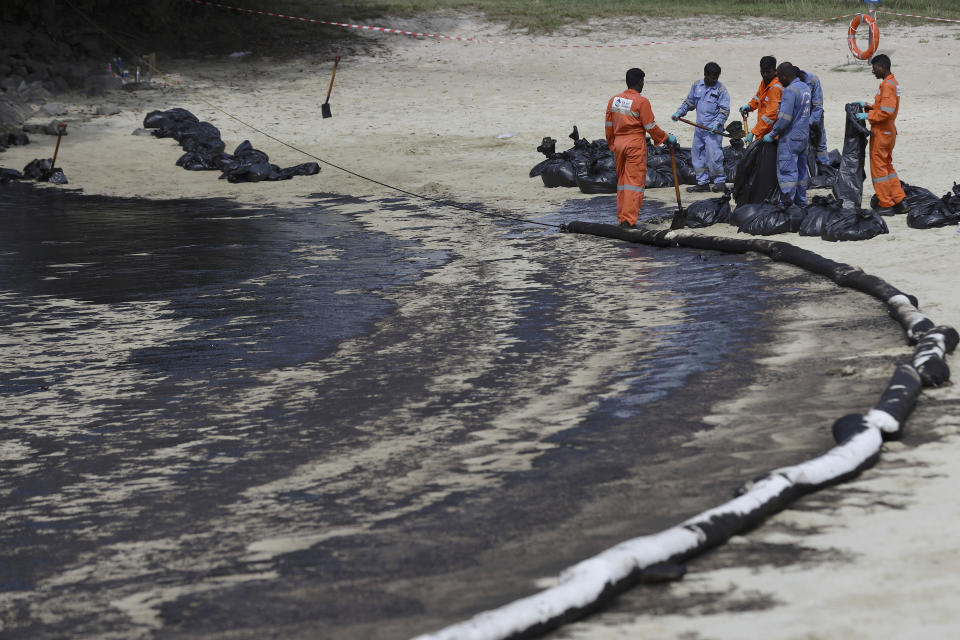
(443, 106)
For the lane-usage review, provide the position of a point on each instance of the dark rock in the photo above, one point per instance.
(107, 109)
(53, 109)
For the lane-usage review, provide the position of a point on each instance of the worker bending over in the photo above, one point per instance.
(883, 136)
(767, 100)
(629, 120)
(793, 129)
(818, 133)
(712, 102)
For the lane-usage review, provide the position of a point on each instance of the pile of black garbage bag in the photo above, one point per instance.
(41, 170)
(839, 216)
(205, 151)
(590, 165)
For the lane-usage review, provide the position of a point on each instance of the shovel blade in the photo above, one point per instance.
(679, 220)
(325, 110)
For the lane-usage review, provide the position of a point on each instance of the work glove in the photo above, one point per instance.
(750, 137)
(716, 129)
(862, 116)
(745, 109)
(672, 141)
(675, 116)
(768, 137)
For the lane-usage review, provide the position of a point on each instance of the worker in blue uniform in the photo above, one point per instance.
(793, 130)
(711, 101)
(818, 133)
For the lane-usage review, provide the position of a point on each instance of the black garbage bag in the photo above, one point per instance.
(927, 210)
(704, 213)
(756, 175)
(302, 169)
(952, 199)
(763, 218)
(602, 182)
(854, 224)
(732, 154)
(196, 161)
(170, 122)
(558, 172)
(821, 210)
(848, 186)
(660, 176)
(252, 165)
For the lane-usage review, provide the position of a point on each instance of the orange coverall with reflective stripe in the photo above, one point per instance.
(766, 103)
(882, 116)
(629, 121)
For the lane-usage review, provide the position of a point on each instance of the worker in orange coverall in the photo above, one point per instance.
(883, 135)
(767, 100)
(629, 121)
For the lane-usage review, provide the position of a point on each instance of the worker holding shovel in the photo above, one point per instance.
(712, 103)
(629, 120)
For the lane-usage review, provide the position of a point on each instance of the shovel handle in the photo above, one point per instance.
(61, 127)
(676, 181)
(336, 61)
(700, 126)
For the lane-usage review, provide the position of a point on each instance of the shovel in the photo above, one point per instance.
(56, 175)
(325, 107)
(738, 136)
(61, 127)
(680, 217)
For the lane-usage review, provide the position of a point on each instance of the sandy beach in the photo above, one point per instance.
(462, 121)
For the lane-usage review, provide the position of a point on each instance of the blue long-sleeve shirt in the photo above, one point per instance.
(794, 113)
(816, 94)
(712, 104)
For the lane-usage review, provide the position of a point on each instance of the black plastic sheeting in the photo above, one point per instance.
(589, 165)
(858, 439)
(205, 151)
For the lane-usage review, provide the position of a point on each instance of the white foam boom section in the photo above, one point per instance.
(587, 585)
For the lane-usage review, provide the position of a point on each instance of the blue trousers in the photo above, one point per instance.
(822, 155)
(792, 170)
(707, 156)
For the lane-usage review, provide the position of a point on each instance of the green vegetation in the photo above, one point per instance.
(544, 16)
(180, 26)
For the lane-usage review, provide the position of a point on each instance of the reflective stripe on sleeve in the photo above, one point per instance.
(887, 109)
(609, 124)
(787, 116)
(766, 119)
(881, 179)
(650, 126)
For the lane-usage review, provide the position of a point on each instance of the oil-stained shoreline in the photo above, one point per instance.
(524, 401)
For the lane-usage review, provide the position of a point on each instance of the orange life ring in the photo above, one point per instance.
(874, 41)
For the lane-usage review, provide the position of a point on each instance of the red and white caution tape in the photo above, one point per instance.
(911, 15)
(363, 27)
